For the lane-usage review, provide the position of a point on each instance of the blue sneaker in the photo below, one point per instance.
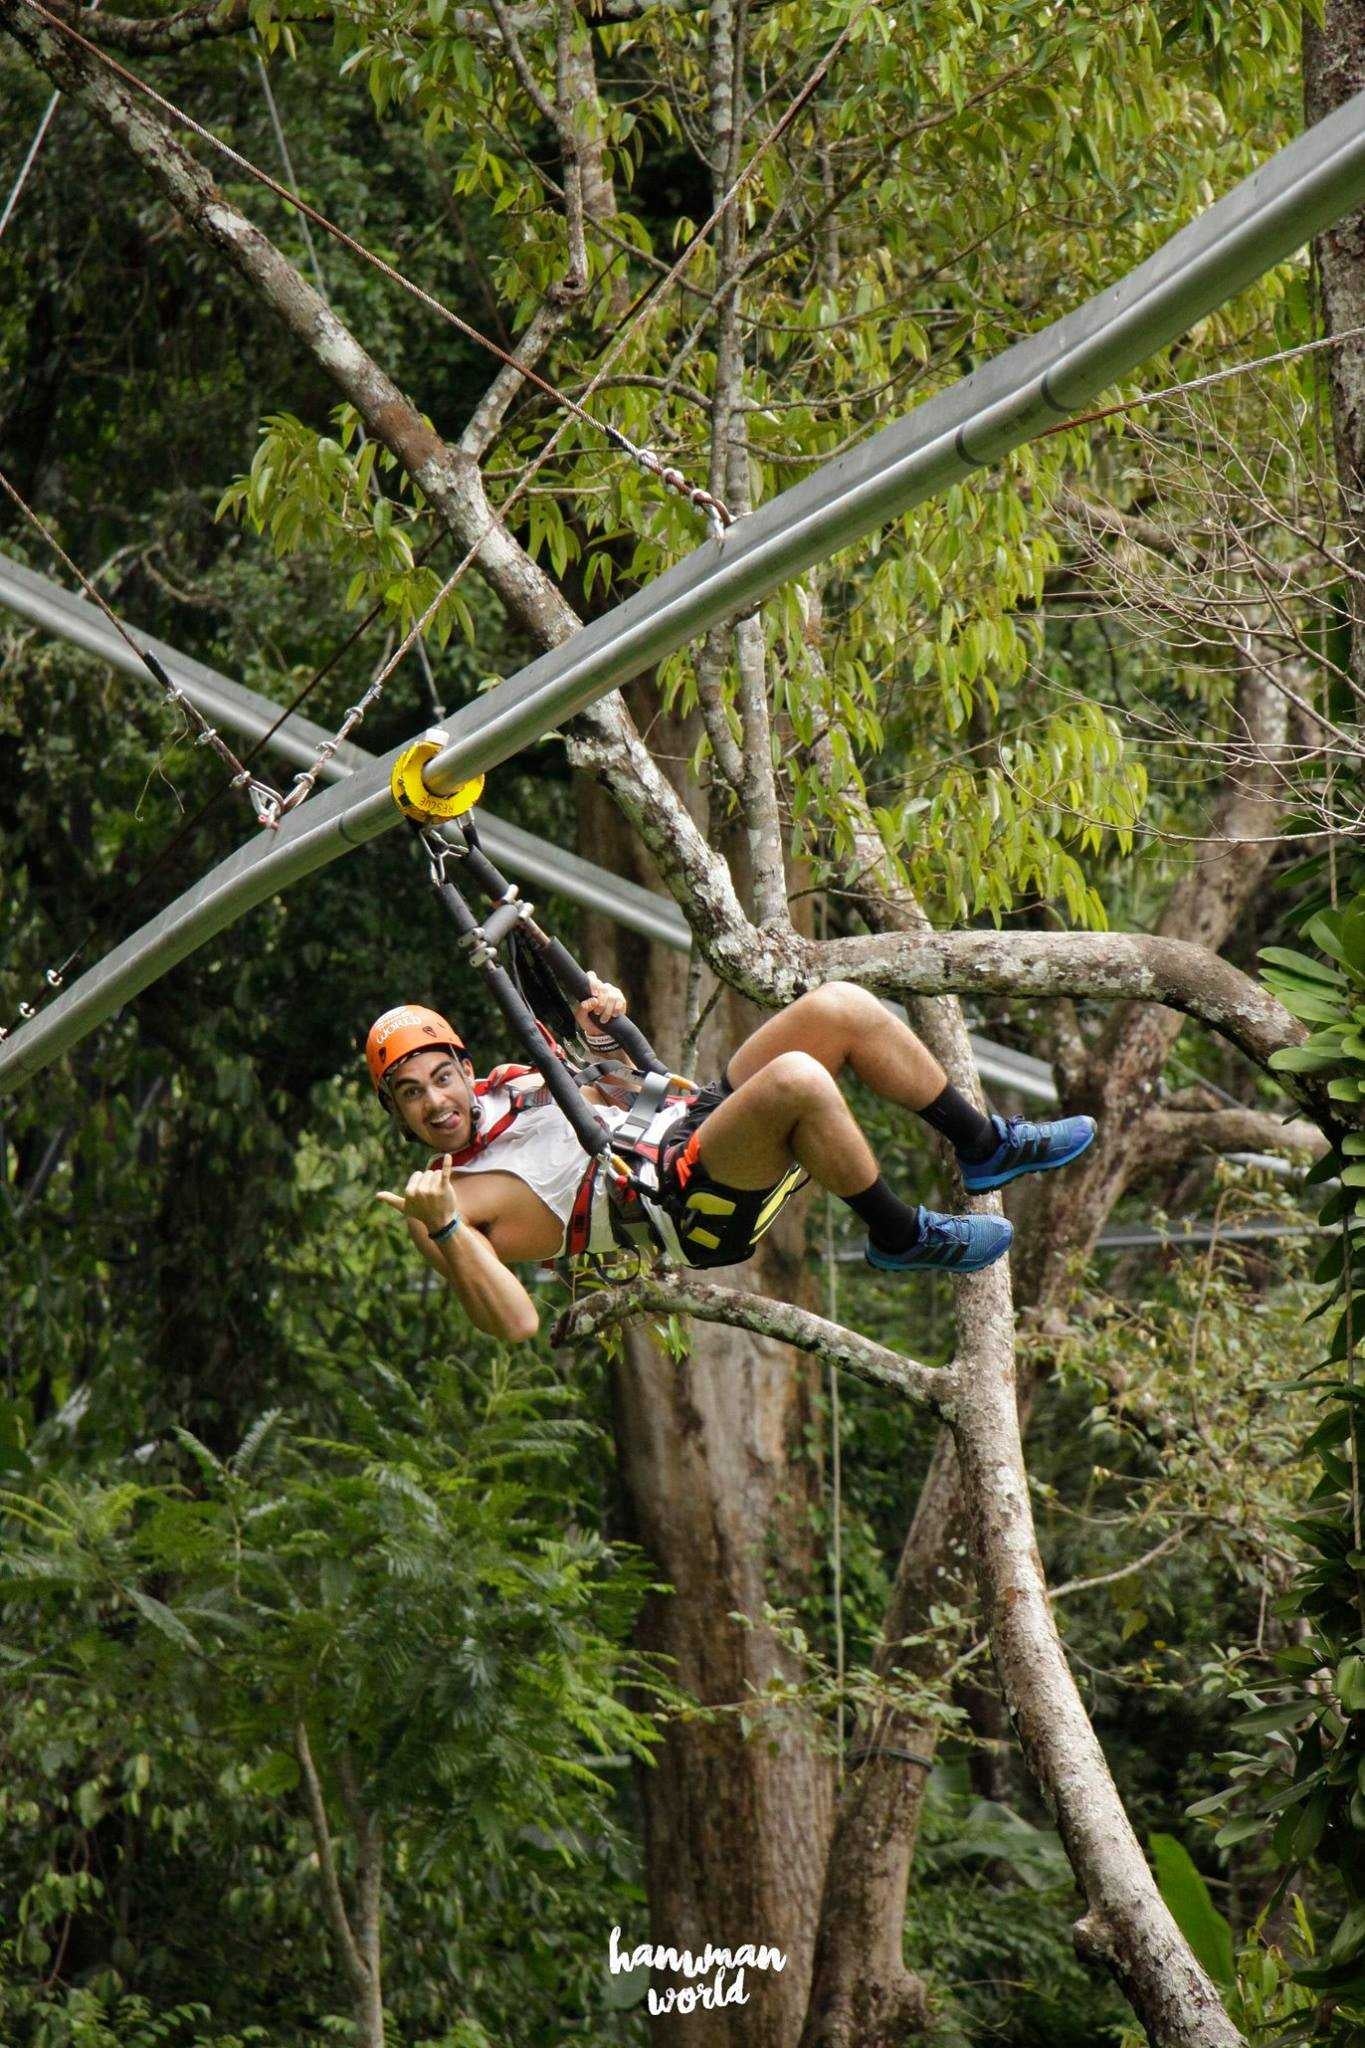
(1028, 1148)
(961, 1244)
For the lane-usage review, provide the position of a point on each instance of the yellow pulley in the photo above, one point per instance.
(411, 794)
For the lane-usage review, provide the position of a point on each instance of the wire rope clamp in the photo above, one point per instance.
(410, 792)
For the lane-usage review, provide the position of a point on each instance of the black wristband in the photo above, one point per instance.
(446, 1229)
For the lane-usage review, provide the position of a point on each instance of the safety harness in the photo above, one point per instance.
(612, 1212)
(502, 1078)
(624, 1202)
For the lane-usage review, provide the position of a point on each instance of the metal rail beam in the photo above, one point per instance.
(53, 609)
(1033, 385)
(1180, 1237)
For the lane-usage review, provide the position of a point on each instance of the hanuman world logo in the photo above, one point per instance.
(723, 1968)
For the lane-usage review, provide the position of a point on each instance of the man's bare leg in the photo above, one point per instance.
(785, 1104)
(790, 1109)
(842, 1025)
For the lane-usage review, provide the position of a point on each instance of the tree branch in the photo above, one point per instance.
(1122, 1571)
(1172, 1136)
(481, 428)
(886, 903)
(207, 19)
(748, 767)
(709, 669)
(588, 195)
(507, 28)
(1066, 1046)
(844, 1349)
(1107, 966)
(333, 1902)
(159, 37)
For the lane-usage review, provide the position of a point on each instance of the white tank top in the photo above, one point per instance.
(539, 1147)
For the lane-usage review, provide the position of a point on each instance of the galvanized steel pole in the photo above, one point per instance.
(52, 609)
(1040, 381)
(296, 739)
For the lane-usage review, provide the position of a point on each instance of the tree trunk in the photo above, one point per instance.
(1334, 69)
(863, 1997)
(736, 1824)
(1127, 1924)
(719, 1491)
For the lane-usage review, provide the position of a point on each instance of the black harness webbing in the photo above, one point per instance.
(653, 1093)
(616, 1153)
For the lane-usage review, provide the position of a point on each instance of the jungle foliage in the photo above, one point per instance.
(290, 1558)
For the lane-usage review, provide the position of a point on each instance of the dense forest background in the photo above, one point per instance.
(352, 1687)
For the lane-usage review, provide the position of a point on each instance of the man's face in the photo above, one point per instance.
(432, 1095)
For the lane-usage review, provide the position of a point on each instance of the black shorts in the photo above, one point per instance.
(716, 1225)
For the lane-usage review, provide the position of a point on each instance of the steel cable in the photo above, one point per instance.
(716, 513)
(646, 301)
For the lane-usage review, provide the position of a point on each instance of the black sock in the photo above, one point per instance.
(891, 1224)
(970, 1134)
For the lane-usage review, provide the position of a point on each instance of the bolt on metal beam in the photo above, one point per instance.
(1040, 381)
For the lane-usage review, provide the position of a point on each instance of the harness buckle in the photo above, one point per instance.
(653, 1093)
(438, 851)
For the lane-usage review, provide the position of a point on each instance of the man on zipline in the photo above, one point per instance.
(510, 1181)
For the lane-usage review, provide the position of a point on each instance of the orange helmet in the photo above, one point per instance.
(409, 1028)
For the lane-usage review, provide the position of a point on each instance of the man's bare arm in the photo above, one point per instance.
(489, 1293)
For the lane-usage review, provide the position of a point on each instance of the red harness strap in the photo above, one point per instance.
(578, 1229)
(627, 1208)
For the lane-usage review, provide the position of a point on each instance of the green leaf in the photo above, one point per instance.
(278, 1772)
(1353, 937)
(1323, 931)
(1239, 1830)
(161, 1618)
(1350, 1683)
(1311, 1823)
(1349, 1938)
(1313, 1005)
(1212, 1804)
(1303, 965)
(1269, 1720)
(1187, 1896)
(1302, 1059)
